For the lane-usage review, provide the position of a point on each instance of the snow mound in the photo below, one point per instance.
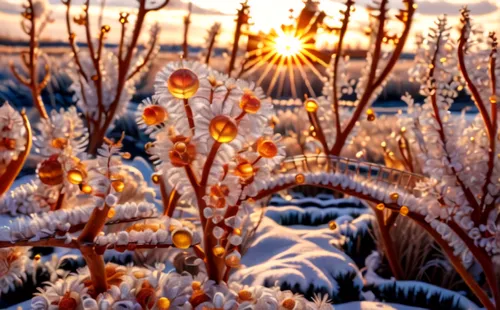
(302, 259)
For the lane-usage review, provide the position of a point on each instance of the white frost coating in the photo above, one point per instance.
(43, 225)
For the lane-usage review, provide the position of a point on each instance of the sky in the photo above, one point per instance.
(266, 14)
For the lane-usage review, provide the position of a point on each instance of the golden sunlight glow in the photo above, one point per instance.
(287, 45)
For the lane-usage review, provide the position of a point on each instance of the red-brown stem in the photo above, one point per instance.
(472, 87)
(172, 202)
(467, 192)
(405, 151)
(32, 64)
(208, 164)
(240, 21)
(336, 60)
(123, 67)
(187, 22)
(392, 257)
(313, 118)
(95, 263)
(139, 67)
(455, 261)
(71, 39)
(59, 202)
(189, 114)
(389, 222)
(49, 242)
(373, 83)
(210, 49)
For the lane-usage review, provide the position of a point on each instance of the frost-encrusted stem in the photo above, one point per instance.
(374, 82)
(436, 110)
(15, 166)
(492, 140)
(106, 115)
(461, 50)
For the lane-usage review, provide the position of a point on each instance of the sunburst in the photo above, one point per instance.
(283, 52)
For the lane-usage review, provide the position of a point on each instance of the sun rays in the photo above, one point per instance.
(284, 57)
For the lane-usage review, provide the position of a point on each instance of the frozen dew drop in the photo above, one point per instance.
(332, 225)
(370, 116)
(244, 295)
(182, 238)
(267, 148)
(404, 211)
(37, 257)
(394, 196)
(155, 178)
(250, 103)
(183, 83)
(218, 251)
(196, 285)
(218, 232)
(288, 303)
(223, 129)
(163, 303)
(85, 188)
(111, 213)
(59, 143)
(380, 206)
(51, 172)
(75, 176)
(208, 212)
(118, 185)
(154, 115)
(311, 105)
(233, 259)
(244, 170)
(235, 239)
(300, 179)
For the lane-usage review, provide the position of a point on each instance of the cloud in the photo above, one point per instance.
(449, 8)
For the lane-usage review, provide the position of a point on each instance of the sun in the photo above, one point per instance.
(287, 45)
(285, 54)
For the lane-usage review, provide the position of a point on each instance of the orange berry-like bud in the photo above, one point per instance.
(267, 148)
(244, 170)
(75, 176)
(311, 105)
(223, 129)
(183, 83)
(245, 295)
(300, 179)
(288, 303)
(249, 103)
(218, 251)
(59, 143)
(51, 172)
(182, 239)
(154, 115)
